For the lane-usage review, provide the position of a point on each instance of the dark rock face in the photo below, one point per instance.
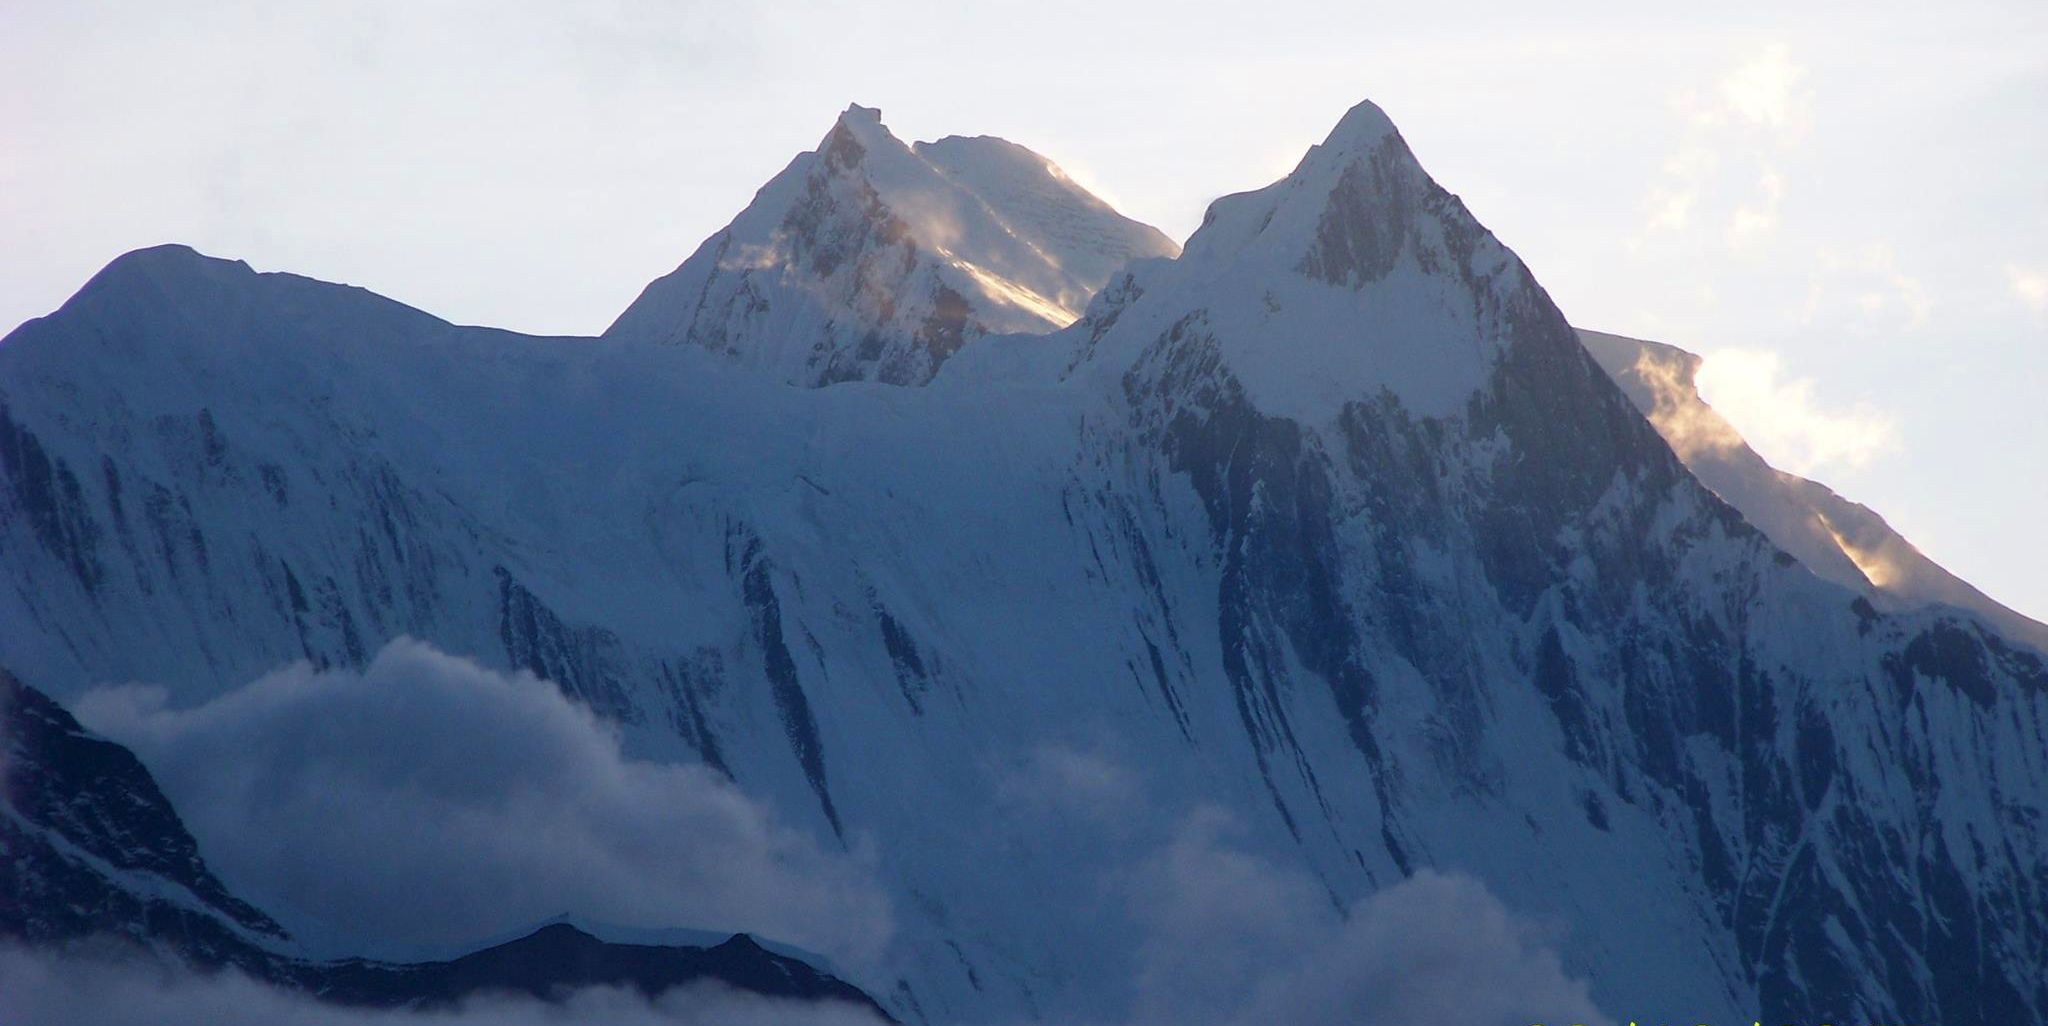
(1967, 658)
(1268, 498)
(46, 493)
(799, 724)
(81, 811)
(1372, 213)
(584, 662)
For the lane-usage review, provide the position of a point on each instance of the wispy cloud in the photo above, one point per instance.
(1725, 169)
(1061, 781)
(1770, 90)
(1209, 925)
(1689, 425)
(1236, 938)
(429, 801)
(1755, 219)
(1781, 418)
(2029, 285)
(1864, 289)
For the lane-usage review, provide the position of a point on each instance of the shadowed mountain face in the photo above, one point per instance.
(91, 853)
(91, 846)
(1330, 526)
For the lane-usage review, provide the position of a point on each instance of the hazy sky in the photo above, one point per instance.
(1843, 207)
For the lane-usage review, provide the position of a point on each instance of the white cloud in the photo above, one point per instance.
(1865, 289)
(1748, 225)
(1216, 920)
(1725, 168)
(428, 801)
(83, 990)
(1672, 210)
(1213, 930)
(1757, 218)
(1059, 781)
(1781, 419)
(1234, 938)
(1430, 949)
(2029, 286)
(1769, 90)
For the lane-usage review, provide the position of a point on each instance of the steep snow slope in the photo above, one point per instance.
(1843, 541)
(1330, 526)
(1088, 238)
(867, 260)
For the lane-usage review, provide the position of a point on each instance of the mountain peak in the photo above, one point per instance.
(867, 259)
(167, 263)
(857, 133)
(1354, 275)
(154, 285)
(741, 942)
(163, 254)
(1362, 129)
(1345, 213)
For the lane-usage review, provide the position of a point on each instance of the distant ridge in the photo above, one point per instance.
(1843, 541)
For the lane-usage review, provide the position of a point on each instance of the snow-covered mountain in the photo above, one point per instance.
(1087, 237)
(866, 259)
(1843, 541)
(1329, 529)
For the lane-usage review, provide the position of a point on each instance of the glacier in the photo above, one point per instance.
(1328, 527)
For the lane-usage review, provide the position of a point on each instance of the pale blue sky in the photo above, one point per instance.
(1843, 205)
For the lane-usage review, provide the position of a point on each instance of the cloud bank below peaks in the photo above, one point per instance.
(37, 989)
(429, 802)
